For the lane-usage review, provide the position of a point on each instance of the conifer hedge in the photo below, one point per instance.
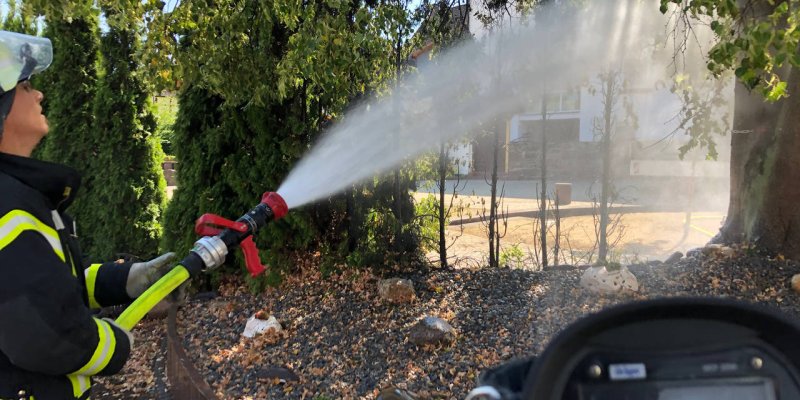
(69, 87)
(128, 186)
(228, 156)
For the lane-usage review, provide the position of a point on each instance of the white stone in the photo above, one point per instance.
(601, 280)
(257, 326)
(396, 290)
(718, 250)
(796, 283)
(432, 330)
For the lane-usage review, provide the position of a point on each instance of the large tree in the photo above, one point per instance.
(760, 41)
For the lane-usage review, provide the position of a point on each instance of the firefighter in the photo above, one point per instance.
(50, 342)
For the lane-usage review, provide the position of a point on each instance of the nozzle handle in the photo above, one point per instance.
(212, 250)
(251, 259)
(212, 224)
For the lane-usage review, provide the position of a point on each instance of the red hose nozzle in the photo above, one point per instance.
(276, 203)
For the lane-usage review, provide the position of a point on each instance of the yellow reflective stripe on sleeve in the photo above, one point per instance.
(106, 344)
(80, 384)
(91, 277)
(17, 221)
(105, 349)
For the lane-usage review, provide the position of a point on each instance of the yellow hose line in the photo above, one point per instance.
(701, 230)
(157, 292)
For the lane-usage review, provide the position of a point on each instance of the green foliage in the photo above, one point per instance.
(330, 50)
(427, 211)
(272, 75)
(379, 242)
(612, 263)
(105, 133)
(199, 187)
(426, 167)
(67, 11)
(228, 158)
(756, 42)
(128, 186)
(165, 109)
(19, 18)
(705, 113)
(613, 266)
(512, 256)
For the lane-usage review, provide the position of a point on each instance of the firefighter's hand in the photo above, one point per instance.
(144, 274)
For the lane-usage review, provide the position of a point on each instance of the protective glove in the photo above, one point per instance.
(127, 332)
(142, 275)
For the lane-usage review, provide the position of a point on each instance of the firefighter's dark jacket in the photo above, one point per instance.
(50, 344)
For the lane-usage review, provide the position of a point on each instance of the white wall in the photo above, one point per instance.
(655, 110)
(461, 157)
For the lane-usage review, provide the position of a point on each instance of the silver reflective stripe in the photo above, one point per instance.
(17, 221)
(80, 384)
(57, 220)
(100, 360)
(106, 344)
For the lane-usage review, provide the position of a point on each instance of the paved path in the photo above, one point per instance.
(673, 194)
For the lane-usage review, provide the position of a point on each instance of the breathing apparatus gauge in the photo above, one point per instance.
(670, 349)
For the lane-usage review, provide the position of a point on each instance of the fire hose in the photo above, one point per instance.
(219, 237)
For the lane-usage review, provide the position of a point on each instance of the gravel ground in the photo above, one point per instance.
(344, 342)
(144, 375)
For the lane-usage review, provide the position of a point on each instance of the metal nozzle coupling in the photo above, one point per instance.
(212, 250)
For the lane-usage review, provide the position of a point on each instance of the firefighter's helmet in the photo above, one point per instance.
(21, 56)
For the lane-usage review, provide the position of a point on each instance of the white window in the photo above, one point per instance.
(562, 102)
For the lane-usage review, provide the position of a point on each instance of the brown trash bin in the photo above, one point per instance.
(563, 193)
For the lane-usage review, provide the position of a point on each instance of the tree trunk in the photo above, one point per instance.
(442, 216)
(494, 251)
(606, 177)
(543, 194)
(352, 225)
(398, 186)
(765, 171)
(557, 243)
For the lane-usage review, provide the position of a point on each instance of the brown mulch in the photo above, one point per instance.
(144, 375)
(344, 342)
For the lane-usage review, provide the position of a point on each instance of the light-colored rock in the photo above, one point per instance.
(675, 257)
(694, 253)
(257, 326)
(796, 283)
(601, 280)
(396, 290)
(432, 331)
(718, 250)
(728, 252)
